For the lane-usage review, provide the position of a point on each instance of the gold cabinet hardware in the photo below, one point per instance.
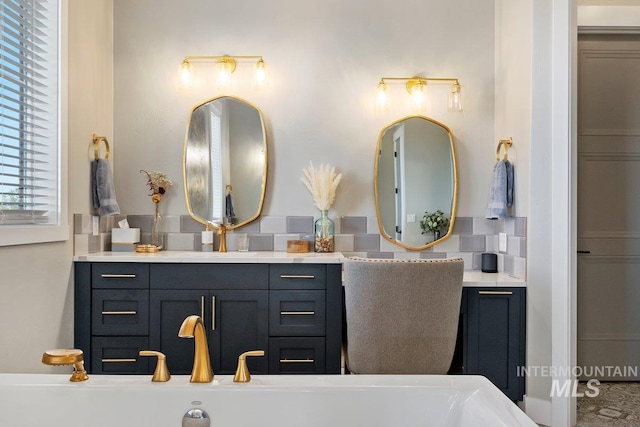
(161, 374)
(61, 357)
(118, 276)
(297, 313)
(202, 307)
(119, 360)
(213, 313)
(495, 293)
(297, 360)
(297, 276)
(242, 373)
(119, 313)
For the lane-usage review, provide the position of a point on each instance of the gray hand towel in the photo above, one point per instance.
(497, 206)
(102, 190)
(510, 175)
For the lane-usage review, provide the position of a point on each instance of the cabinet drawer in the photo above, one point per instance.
(119, 355)
(296, 356)
(118, 275)
(297, 276)
(120, 312)
(297, 313)
(209, 276)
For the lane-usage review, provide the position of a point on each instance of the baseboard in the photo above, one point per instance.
(538, 410)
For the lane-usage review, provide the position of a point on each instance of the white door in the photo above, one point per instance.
(609, 205)
(398, 165)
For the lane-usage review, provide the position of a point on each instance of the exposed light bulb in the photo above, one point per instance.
(382, 98)
(186, 76)
(261, 73)
(455, 98)
(225, 68)
(417, 95)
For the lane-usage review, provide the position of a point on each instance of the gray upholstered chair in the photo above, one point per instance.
(402, 315)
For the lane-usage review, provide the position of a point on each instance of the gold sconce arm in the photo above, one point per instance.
(415, 86)
(226, 65)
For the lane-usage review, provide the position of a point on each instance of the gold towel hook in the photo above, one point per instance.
(506, 143)
(229, 189)
(96, 146)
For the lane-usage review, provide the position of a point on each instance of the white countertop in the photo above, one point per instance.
(233, 257)
(478, 279)
(472, 278)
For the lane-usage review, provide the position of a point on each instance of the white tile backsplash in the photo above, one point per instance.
(270, 233)
(273, 224)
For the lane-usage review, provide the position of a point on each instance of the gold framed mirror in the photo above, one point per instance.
(225, 162)
(415, 174)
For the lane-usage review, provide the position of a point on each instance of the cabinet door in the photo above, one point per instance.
(240, 323)
(495, 337)
(168, 310)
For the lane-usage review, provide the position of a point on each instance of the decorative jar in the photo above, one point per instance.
(324, 233)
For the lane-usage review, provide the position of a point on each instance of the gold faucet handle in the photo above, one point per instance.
(242, 373)
(61, 357)
(161, 374)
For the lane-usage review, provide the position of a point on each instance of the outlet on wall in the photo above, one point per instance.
(411, 217)
(502, 242)
(95, 225)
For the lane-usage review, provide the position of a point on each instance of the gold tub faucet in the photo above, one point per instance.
(193, 327)
(61, 357)
(161, 374)
(242, 373)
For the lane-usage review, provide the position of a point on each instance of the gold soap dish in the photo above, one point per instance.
(297, 246)
(148, 248)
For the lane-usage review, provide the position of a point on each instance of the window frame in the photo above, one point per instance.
(24, 234)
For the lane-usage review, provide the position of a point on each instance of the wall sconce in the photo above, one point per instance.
(416, 86)
(225, 66)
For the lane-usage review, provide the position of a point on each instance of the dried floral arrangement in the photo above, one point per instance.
(158, 184)
(322, 183)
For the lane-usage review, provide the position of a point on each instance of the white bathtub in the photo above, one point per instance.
(352, 400)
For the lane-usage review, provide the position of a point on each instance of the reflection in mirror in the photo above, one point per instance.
(225, 162)
(415, 173)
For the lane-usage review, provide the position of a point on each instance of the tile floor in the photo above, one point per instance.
(618, 404)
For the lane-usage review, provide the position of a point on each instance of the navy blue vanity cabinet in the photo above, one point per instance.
(305, 308)
(232, 301)
(495, 336)
(112, 316)
(291, 311)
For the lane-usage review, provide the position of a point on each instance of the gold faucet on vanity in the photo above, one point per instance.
(61, 357)
(222, 234)
(193, 327)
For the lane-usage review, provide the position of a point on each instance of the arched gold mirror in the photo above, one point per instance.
(225, 162)
(414, 176)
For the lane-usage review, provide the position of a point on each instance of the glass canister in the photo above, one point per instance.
(324, 232)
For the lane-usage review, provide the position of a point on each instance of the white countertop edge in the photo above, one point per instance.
(472, 278)
(259, 257)
(478, 279)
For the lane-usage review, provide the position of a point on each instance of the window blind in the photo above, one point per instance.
(217, 198)
(29, 136)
